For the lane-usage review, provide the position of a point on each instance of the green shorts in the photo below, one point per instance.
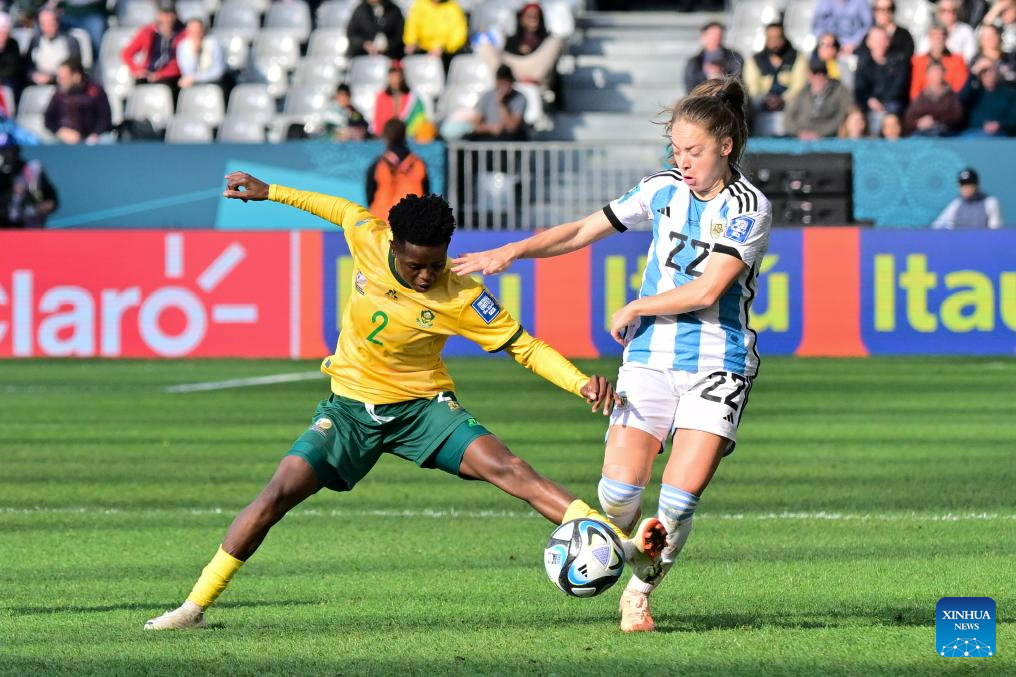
(346, 438)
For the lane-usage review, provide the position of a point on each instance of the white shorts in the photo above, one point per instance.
(659, 402)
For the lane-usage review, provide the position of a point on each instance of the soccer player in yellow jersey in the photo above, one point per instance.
(391, 391)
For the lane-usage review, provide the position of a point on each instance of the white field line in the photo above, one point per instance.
(244, 382)
(515, 514)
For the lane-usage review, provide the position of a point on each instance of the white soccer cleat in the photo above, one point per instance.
(635, 615)
(188, 616)
(642, 551)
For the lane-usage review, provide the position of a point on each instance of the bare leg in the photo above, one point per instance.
(488, 459)
(293, 482)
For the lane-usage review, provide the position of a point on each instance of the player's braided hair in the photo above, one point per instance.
(423, 220)
(718, 106)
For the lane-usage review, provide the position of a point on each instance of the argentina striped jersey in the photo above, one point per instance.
(685, 232)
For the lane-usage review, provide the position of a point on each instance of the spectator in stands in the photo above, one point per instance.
(937, 111)
(88, 15)
(900, 39)
(827, 49)
(972, 209)
(855, 125)
(49, 48)
(437, 27)
(12, 66)
(892, 127)
(955, 67)
(376, 27)
(1003, 16)
(79, 111)
(27, 196)
(398, 172)
(820, 108)
(714, 60)
(990, 51)
(151, 55)
(882, 81)
(343, 122)
(395, 101)
(199, 57)
(501, 111)
(991, 105)
(960, 37)
(776, 72)
(532, 52)
(848, 20)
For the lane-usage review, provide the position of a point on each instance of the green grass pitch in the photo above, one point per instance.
(861, 493)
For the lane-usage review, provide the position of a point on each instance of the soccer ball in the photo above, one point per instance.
(583, 557)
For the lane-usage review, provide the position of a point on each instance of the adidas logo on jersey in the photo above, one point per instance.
(665, 211)
(729, 418)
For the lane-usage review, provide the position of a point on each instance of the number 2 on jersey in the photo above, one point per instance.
(375, 318)
(681, 239)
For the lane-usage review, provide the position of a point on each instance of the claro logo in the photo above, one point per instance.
(172, 313)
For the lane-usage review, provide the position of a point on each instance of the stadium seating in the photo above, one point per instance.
(323, 74)
(494, 14)
(35, 99)
(363, 98)
(151, 102)
(329, 44)
(293, 16)
(188, 129)
(137, 13)
(456, 97)
(84, 41)
(192, 9)
(425, 75)
(239, 17)
(204, 102)
(335, 13)
(242, 129)
(307, 100)
(469, 69)
(276, 53)
(368, 71)
(558, 17)
(235, 47)
(36, 124)
(251, 100)
(797, 24)
(23, 36)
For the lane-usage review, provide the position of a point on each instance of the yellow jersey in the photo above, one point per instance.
(391, 336)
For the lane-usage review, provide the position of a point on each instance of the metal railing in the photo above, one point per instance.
(525, 185)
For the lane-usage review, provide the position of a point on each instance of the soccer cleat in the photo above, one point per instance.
(635, 616)
(642, 551)
(189, 615)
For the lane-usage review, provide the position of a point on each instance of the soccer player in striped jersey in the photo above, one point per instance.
(689, 352)
(391, 392)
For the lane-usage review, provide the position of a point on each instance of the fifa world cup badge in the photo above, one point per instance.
(426, 319)
(717, 228)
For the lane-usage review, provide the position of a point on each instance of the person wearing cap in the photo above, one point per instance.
(714, 60)
(972, 209)
(501, 111)
(151, 54)
(818, 110)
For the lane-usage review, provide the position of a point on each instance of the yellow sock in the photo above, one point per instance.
(579, 509)
(214, 578)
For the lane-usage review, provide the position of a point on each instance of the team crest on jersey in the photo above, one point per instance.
(361, 282)
(393, 295)
(739, 228)
(322, 426)
(486, 307)
(717, 228)
(426, 319)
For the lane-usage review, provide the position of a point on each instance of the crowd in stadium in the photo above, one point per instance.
(91, 71)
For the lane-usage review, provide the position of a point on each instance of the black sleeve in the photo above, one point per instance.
(52, 116)
(371, 182)
(358, 29)
(48, 190)
(862, 84)
(395, 31)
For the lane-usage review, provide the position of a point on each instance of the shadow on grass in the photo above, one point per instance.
(149, 606)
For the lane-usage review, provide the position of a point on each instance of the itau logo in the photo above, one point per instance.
(965, 627)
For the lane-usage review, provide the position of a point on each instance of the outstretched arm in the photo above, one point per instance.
(702, 292)
(544, 361)
(555, 241)
(243, 186)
